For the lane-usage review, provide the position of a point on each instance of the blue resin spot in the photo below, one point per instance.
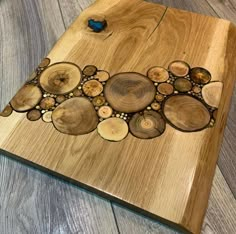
(97, 26)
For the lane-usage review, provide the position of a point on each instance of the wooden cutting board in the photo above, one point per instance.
(131, 103)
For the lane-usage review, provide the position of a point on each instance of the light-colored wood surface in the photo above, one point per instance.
(216, 223)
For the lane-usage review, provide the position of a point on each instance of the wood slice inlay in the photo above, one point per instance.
(129, 92)
(60, 78)
(90, 70)
(158, 74)
(92, 88)
(197, 89)
(102, 76)
(44, 63)
(60, 99)
(179, 68)
(165, 89)
(47, 117)
(148, 125)
(212, 92)
(26, 98)
(113, 129)
(183, 85)
(75, 116)
(7, 111)
(200, 75)
(186, 113)
(99, 101)
(47, 103)
(34, 115)
(105, 112)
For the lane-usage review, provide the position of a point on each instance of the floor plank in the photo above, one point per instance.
(226, 9)
(30, 201)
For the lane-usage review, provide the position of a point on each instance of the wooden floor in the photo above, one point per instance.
(33, 202)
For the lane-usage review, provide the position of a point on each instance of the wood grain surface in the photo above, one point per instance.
(10, 170)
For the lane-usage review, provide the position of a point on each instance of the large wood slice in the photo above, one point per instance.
(129, 92)
(186, 113)
(147, 125)
(60, 78)
(75, 116)
(26, 98)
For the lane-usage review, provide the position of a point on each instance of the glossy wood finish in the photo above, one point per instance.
(156, 230)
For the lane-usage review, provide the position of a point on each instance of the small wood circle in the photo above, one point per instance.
(197, 89)
(113, 129)
(90, 70)
(186, 113)
(26, 98)
(99, 101)
(156, 106)
(7, 111)
(200, 75)
(165, 89)
(129, 92)
(179, 68)
(158, 74)
(148, 125)
(47, 103)
(212, 92)
(92, 88)
(102, 76)
(77, 92)
(182, 85)
(75, 116)
(47, 117)
(44, 63)
(34, 115)
(105, 112)
(60, 78)
(60, 99)
(159, 97)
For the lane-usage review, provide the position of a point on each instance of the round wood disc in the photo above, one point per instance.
(7, 111)
(92, 88)
(102, 76)
(159, 97)
(75, 116)
(60, 78)
(179, 68)
(60, 99)
(200, 75)
(215, 112)
(77, 92)
(47, 117)
(99, 101)
(44, 63)
(47, 103)
(26, 98)
(113, 129)
(90, 70)
(186, 113)
(156, 106)
(129, 92)
(148, 125)
(197, 89)
(34, 115)
(105, 112)
(182, 85)
(165, 89)
(212, 92)
(158, 74)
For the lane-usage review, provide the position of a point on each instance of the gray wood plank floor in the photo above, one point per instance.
(33, 202)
